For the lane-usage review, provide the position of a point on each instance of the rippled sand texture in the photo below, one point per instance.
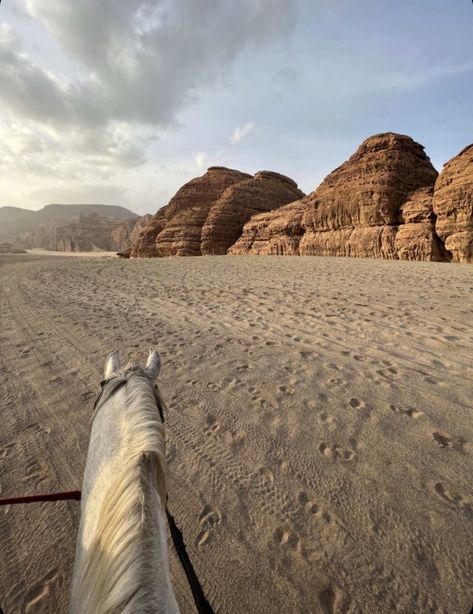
(319, 425)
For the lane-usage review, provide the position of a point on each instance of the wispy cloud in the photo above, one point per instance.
(201, 159)
(241, 131)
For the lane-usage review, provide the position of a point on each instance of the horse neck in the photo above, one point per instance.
(122, 553)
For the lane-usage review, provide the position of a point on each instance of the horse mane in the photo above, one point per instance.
(110, 578)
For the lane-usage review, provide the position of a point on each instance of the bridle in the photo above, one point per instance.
(108, 388)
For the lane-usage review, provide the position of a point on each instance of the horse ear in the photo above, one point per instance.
(153, 364)
(112, 365)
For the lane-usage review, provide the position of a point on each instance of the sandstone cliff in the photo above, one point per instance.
(85, 233)
(9, 248)
(265, 191)
(453, 206)
(273, 233)
(125, 234)
(377, 204)
(356, 211)
(88, 233)
(207, 214)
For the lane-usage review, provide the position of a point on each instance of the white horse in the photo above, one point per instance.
(121, 563)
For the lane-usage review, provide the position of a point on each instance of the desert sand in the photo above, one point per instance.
(319, 424)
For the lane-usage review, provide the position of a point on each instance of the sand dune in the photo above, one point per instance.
(319, 424)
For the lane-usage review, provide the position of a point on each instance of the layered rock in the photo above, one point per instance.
(9, 248)
(144, 244)
(358, 209)
(88, 233)
(275, 233)
(416, 238)
(207, 214)
(453, 206)
(188, 210)
(124, 235)
(359, 203)
(85, 233)
(265, 191)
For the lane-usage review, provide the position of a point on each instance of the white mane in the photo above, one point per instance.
(121, 559)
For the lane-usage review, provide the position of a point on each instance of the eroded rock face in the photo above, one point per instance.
(416, 238)
(453, 206)
(359, 209)
(9, 248)
(359, 203)
(144, 244)
(207, 214)
(265, 191)
(276, 232)
(127, 232)
(86, 234)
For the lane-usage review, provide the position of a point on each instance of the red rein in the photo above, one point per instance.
(53, 496)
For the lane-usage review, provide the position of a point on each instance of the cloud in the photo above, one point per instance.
(201, 159)
(141, 61)
(241, 131)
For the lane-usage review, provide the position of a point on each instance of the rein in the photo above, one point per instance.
(201, 602)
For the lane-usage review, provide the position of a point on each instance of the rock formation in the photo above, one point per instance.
(273, 233)
(206, 215)
(85, 233)
(144, 245)
(88, 233)
(358, 209)
(453, 206)
(124, 235)
(265, 191)
(9, 248)
(385, 201)
(416, 238)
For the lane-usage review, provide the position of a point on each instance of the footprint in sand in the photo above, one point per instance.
(209, 519)
(288, 539)
(40, 597)
(327, 418)
(452, 498)
(212, 426)
(5, 451)
(336, 452)
(309, 506)
(446, 441)
(331, 601)
(406, 411)
(356, 403)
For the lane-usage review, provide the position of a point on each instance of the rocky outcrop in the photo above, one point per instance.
(356, 210)
(416, 238)
(144, 245)
(266, 191)
(85, 233)
(9, 248)
(188, 210)
(88, 233)
(359, 209)
(453, 206)
(206, 215)
(275, 233)
(29, 228)
(124, 235)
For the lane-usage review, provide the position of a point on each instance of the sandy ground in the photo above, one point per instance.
(320, 432)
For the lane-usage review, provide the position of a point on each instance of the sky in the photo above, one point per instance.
(121, 102)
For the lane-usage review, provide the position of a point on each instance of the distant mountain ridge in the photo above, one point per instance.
(15, 221)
